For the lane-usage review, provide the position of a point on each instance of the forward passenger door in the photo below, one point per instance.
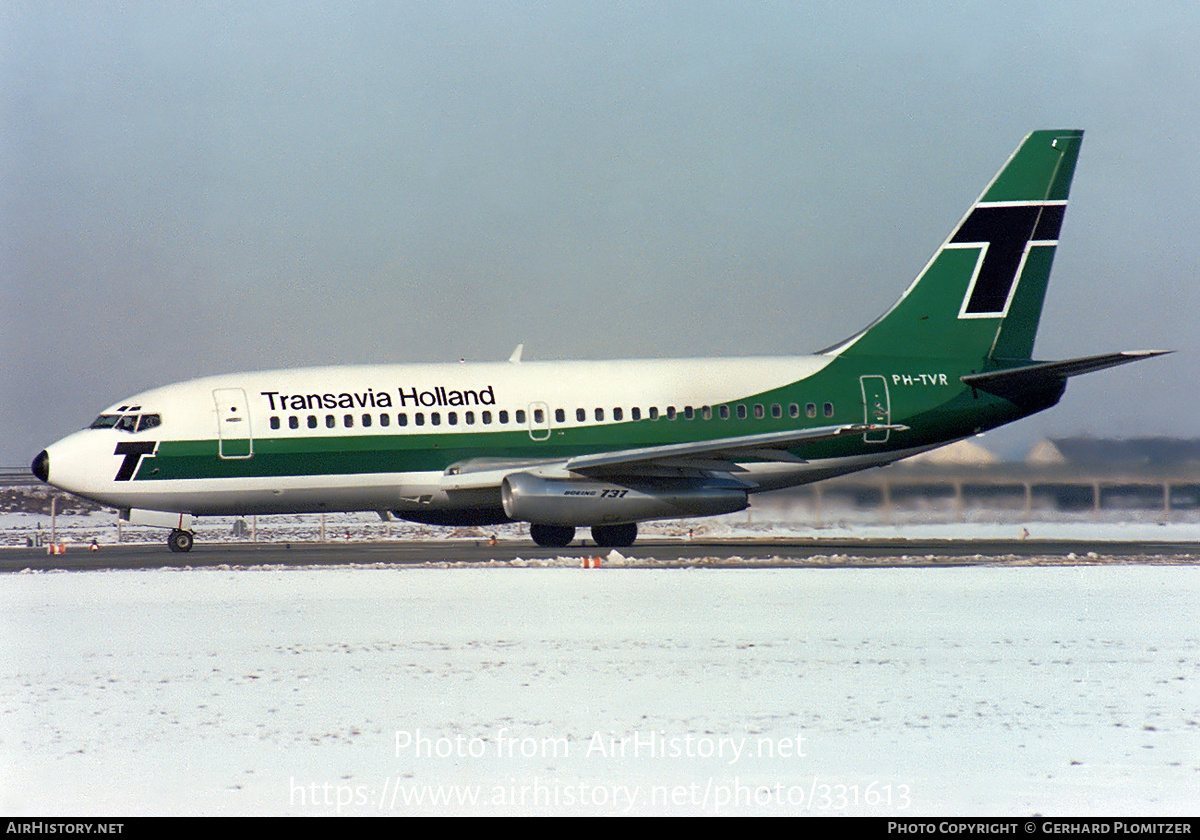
(234, 438)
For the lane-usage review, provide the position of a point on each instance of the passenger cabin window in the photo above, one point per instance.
(580, 414)
(274, 422)
(599, 415)
(828, 409)
(618, 414)
(520, 415)
(635, 413)
(293, 422)
(810, 410)
(385, 419)
(312, 421)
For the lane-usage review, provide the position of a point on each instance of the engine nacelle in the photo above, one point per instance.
(569, 501)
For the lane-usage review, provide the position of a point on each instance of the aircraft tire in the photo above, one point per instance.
(615, 536)
(551, 536)
(180, 540)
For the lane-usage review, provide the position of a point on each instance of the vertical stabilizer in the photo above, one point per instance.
(980, 296)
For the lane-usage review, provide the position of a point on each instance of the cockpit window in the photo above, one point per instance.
(127, 422)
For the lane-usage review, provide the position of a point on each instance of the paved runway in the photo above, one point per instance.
(651, 553)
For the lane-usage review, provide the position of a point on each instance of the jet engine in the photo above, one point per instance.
(569, 501)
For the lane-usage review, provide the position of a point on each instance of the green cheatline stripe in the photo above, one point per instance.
(405, 451)
(932, 415)
(349, 455)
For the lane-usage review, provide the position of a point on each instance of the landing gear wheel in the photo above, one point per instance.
(615, 536)
(552, 536)
(180, 540)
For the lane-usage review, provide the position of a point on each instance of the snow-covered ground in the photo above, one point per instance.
(979, 690)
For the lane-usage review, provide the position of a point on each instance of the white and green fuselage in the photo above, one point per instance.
(607, 443)
(376, 437)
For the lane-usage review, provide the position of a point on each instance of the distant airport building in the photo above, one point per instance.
(962, 453)
(1152, 453)
(1155, 477)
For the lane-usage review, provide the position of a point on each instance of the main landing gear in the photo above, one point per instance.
(615, 536)
(180, 540)
(605, 536)
(552, 536)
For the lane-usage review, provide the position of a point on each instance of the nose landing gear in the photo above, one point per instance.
(180, 540)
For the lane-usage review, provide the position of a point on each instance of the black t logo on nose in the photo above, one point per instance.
(133, 452)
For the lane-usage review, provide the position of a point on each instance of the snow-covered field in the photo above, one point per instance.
(980, 690)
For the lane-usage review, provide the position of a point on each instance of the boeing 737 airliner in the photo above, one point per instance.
(608, 444)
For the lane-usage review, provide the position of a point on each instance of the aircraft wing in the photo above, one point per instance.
(672, 459)
(721, 454)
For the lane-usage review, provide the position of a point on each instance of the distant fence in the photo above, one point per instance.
(1014, 487)
(1002, 486)
(16, 476)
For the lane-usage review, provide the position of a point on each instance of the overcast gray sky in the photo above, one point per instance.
(196, 188)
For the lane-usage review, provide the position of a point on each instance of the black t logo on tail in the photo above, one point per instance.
(1005, 230)
(133, 452)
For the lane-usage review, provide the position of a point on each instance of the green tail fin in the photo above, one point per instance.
(981, 295)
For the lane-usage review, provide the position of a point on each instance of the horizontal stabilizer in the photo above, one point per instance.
(1040, 375)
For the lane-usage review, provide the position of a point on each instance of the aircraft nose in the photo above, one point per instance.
(41, 466)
